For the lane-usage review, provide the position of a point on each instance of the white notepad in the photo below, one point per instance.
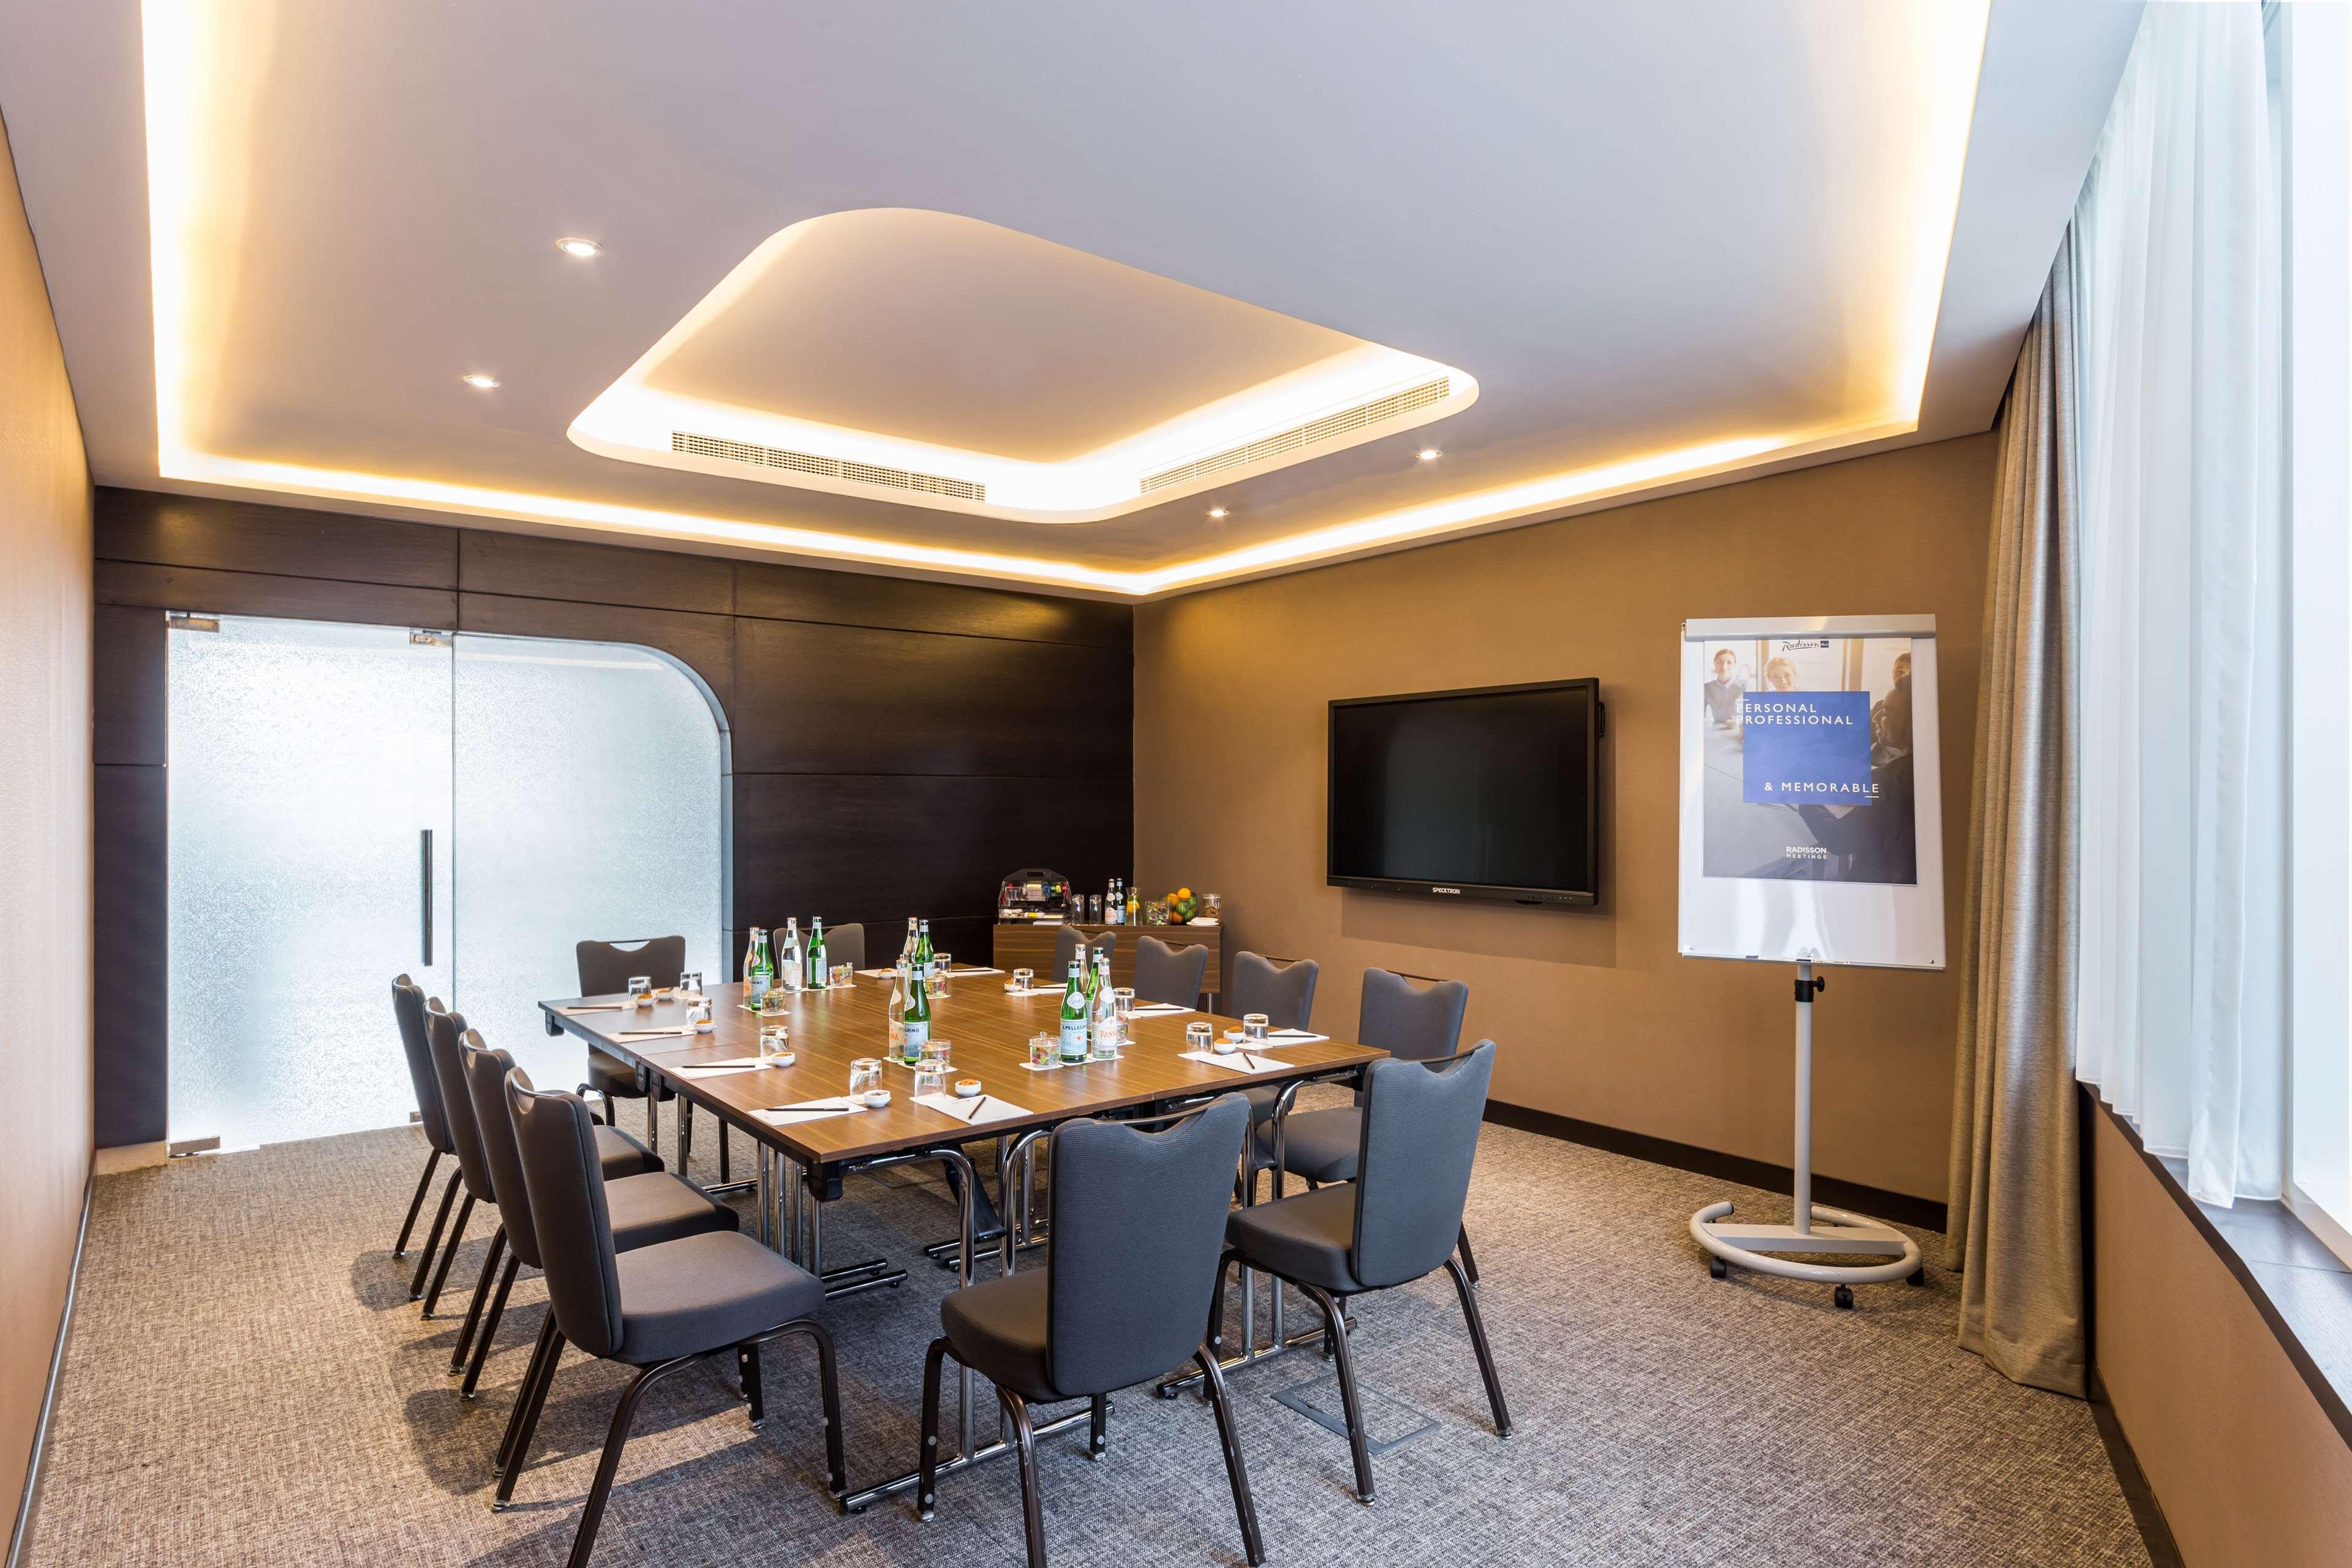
(978, 1111)
(1237, 1061)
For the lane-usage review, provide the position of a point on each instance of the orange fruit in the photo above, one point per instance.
(1183, 893)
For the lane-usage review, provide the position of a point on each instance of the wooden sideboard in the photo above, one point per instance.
(1029, 944)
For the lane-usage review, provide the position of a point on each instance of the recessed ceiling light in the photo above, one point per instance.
(1216, 511)
(479, 381)
(1430, 453)
(583, 249)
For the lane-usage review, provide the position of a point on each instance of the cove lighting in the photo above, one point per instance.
(190, 110)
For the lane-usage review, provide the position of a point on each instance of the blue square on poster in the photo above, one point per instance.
(1798, 747)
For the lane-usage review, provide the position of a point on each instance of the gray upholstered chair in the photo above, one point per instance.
(659, 1309)
(844, 944)
(1165, 974)
(1136, 1221)
(645, 1204)
(1399, 1220)
(1066, 943)
(408, 1011)
(441, 1031)
(620, 1155)
(1416, 1022)
(1282, 989)
(605, 970)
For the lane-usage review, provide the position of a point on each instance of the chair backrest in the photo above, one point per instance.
(458, 1101)
(564, 1182)
(408, 1009)
(486, 1085)
(1138, 1225)
(1165, 974)
(1419, 1023)
(1413, 1168)
(1066, 943)
(845, 944)
(606, 967)
(1285, 993)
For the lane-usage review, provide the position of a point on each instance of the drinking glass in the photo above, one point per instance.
(1254, 1028)
(1197, 1037)
(1044, 1050)
(1022, 979)
(772, 1001)
(1122, 1001)
(641, 990)
(864, 1073)
(937, 1050)
(931, 1077)
(845, 975)
(940, 965)
(689, 983)
(775, 1040)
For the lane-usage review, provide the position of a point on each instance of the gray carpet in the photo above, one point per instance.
(248, 1383)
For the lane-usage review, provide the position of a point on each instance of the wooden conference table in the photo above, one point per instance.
(801, 1163)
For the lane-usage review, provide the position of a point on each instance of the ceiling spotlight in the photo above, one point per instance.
(479, 381)
(1216, 511)
(582, 248)
(1430, 453)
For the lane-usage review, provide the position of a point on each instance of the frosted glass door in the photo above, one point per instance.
(589, 777)
(307, 760)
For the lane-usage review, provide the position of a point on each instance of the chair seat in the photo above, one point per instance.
(650, 1209)
(613, 1078)
(1320, 1145)
(707, 1292)
(622, 1155)
(1305, 1238)
(998, 1329)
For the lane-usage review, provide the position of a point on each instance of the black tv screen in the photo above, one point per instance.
(1482, 793)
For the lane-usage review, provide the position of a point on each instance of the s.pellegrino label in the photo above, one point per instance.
(919, 1015)
(1074, 1015)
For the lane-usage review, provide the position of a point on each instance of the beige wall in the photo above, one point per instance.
(1597, 1017)
(45, 846)
(2243, 1462)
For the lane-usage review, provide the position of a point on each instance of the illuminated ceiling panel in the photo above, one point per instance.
(1176, 299)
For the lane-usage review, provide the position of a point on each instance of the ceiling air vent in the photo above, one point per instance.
(1361, 417)
(759, 456)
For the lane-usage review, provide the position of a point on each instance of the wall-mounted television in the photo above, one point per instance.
(1492, 793)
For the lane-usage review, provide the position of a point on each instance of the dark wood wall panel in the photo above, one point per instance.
(521, 564)
(838, 700)
(886, 846)
(129, 911)
(127, 690)
(259, 593)
(898, 747)
(289, 541)
(853, 599)
(705, 644)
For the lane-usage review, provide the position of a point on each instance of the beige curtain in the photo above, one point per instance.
(2016, 1213)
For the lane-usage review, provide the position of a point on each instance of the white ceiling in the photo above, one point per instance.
(1672, 244)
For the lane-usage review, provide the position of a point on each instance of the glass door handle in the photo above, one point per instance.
(424, 896)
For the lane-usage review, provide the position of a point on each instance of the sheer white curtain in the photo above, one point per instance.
(2179, 1006)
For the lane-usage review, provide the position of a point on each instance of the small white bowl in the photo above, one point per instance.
(875, 1099)
(967, 1089)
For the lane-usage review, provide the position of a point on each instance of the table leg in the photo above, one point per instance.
(763, 1180)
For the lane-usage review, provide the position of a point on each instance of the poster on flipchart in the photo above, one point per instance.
(1812, 811)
